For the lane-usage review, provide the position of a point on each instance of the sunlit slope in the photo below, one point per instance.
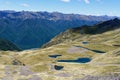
(96, 33)
(101, 63)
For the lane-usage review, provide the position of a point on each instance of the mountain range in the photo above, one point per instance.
(33, 29)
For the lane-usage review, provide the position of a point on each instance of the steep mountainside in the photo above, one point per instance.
(99, 28)
(33, 29)
(84, 30)
(7, 45)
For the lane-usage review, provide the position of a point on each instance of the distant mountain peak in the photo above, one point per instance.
(116, 19)
(50, 15)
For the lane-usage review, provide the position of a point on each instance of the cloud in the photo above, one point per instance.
(25, 5)
(66, 0)
(87, 1)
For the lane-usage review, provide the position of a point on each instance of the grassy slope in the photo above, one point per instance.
(101, 64)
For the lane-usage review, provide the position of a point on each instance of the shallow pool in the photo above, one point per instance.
(79, 60)
(54, 56)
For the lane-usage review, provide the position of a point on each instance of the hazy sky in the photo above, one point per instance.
(89, 7)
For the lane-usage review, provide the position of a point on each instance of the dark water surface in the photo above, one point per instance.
(54, 56)
(58, 67)
(97, 51)
(79, 60)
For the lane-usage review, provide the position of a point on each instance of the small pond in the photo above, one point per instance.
(85, 42)
(54, 56)
(79, 60)
(98, 51)
(117, 45)
(58, 67)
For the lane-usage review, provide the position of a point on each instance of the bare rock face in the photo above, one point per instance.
(35, 77)
(8, 78)
(63, 75)
(99, 78)
(25, 71)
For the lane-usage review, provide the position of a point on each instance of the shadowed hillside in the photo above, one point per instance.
(7, 45)
(99, 28)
